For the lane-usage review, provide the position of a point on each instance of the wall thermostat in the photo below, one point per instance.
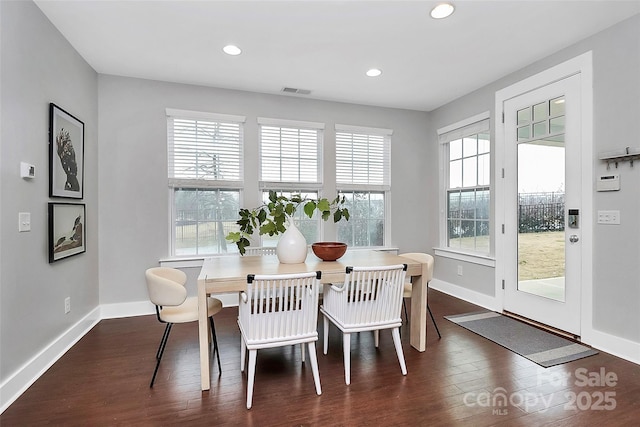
(608, 182)
(27, 171)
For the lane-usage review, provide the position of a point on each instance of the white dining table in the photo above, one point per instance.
(228, 274)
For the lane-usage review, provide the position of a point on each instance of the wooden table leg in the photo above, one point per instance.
(419, 313)
(203, 336)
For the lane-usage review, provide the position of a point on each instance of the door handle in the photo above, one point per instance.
(573, 238)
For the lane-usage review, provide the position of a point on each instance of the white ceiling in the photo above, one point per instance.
(326, 46)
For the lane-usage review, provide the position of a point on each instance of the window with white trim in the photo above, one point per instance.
(291, 163)
(467, 184)
(363, 159)
(205, 171)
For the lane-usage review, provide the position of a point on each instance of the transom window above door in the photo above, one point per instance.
(543, 120)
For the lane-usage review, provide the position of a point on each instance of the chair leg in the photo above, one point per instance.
(251, 376)
(216, 350)
(396, 340)
(346, 344)
(406, 316)
(243, 353)
(167, 329)
(314, 366)
(160, 352)
(326, 334)
(376, 338)
(302, 351)
(434, 321)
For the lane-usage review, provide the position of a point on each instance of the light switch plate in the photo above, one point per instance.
(609, 217)
(24, 221)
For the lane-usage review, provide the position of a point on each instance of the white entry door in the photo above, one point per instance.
(543, 206)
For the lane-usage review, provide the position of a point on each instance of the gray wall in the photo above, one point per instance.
(616, 269)
(39, 67)
(133, 178)
(616, 88)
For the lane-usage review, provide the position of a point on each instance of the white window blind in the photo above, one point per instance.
(289, 154)
(204, 149)
(362, 158)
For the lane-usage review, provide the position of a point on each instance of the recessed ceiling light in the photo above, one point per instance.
(232, 50)
(442, 10)
(374, 72)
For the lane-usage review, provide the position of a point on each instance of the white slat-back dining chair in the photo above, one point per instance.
(370, 299)
(276, 311)
(268, 250)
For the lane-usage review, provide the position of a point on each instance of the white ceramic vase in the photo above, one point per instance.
(292, 246)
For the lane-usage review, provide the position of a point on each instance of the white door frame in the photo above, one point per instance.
(564, 314)
(581, 65)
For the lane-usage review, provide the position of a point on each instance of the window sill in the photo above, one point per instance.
(196, 261)
(470, 257)
(188, 261)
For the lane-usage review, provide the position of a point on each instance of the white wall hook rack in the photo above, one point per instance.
(629, 154)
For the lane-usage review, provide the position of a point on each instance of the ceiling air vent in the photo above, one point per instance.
(296, 90)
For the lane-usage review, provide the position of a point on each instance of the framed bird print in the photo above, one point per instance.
(67, 230)
(66, 154)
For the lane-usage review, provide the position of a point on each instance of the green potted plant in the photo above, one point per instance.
(274, 217)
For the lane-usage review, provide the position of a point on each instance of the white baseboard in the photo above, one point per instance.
(228, 300)
(126, 309)
(22, 379)
(620, 347)
(483, 300)
(144, 308)
(17, 383)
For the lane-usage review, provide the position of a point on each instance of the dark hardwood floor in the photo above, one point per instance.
(460, 380)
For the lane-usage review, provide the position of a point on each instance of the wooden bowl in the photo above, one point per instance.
(329, 251)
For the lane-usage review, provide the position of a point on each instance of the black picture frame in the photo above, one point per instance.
(67, 230)
(66, 154)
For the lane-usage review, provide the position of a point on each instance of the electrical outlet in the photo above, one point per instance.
(459, 270)
(67, 305)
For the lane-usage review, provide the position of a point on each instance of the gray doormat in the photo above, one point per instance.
(541, 347)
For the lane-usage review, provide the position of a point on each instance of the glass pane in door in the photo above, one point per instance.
(541, 239)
